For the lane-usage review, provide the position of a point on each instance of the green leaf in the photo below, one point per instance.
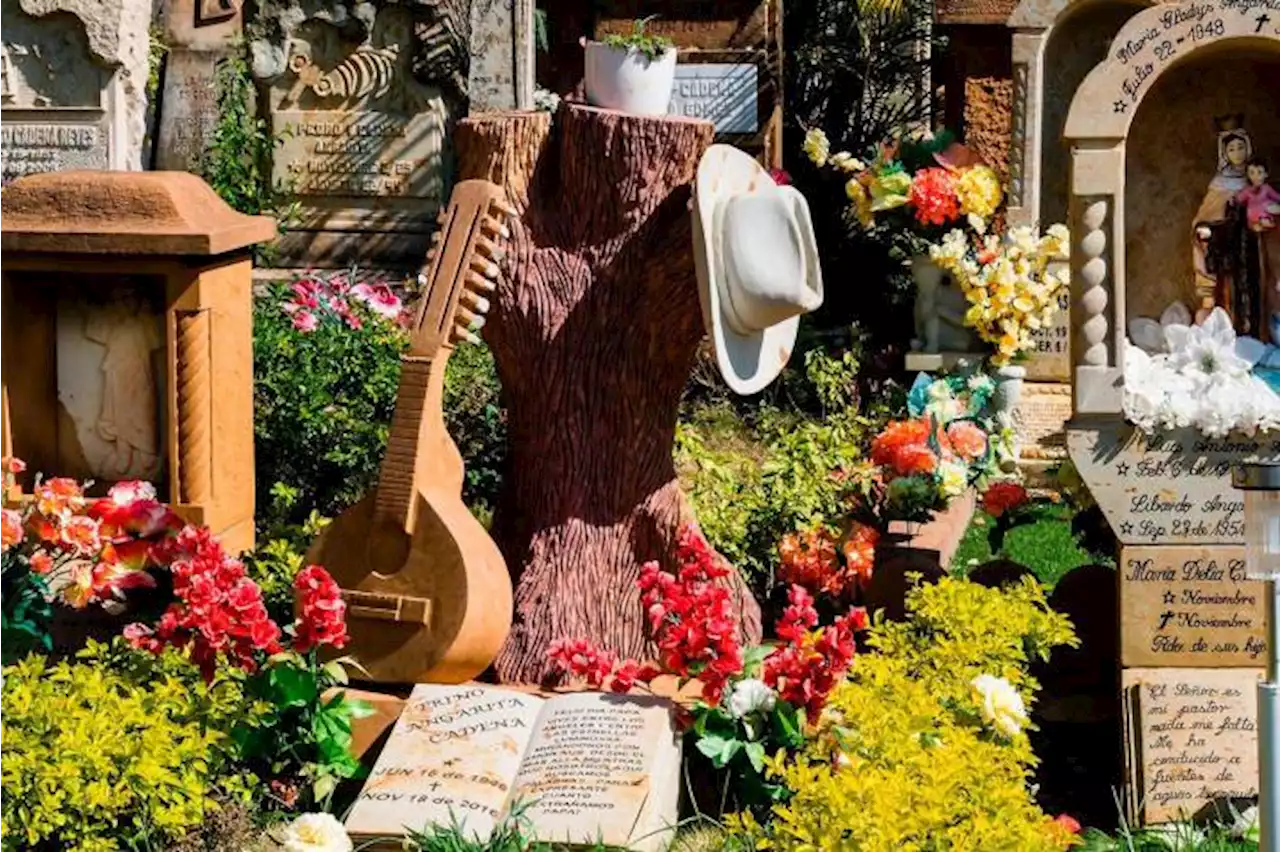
(324, 787)
(335, 672)
(787, 724)
(755, 754)
(358, 708)
(713, 746)
(728, 753)
(293, 687)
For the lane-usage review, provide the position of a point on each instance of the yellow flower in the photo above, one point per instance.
(861, 202)
(978, 191)
(846, 162)
(890, 190)
(816, 146)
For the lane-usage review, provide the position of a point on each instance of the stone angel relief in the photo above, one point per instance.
(110, 389)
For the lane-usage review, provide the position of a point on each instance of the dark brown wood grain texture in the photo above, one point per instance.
(594, 328)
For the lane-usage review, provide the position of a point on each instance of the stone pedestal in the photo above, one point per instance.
(127, 341)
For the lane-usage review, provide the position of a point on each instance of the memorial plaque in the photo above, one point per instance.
(1039, 419)
(452, 753)
(726, 95)
(53, 95)
(188, 109)
(1051, 360)
(702, 24)
(1192, 739)
(1189, 606)
(362, 135)
(1171, 488)
(581, 767)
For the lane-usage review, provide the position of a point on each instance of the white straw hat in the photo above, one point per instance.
(757, 265)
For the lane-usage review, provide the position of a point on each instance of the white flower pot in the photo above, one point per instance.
(628, 81)
(1008, 388)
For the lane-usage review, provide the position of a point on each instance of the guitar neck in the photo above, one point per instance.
(420, 454)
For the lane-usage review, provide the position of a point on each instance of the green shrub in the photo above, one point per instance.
(754, 477)
(322, 409)
(478, 423)
(97, 760)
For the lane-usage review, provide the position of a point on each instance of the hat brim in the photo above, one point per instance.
(748, 362)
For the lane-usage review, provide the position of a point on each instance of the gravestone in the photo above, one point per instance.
(73, 79)
(729, 70)
(1193, 739)
(362, 98)
(198, 34)
(501, 72)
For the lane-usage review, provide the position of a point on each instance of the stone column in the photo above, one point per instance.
(1097, 277)
(1025, 142)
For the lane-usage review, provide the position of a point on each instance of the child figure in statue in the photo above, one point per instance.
(1261, 199)
(1234, 150)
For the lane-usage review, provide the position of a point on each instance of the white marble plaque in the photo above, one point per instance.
(1172, 488)
(724, 94)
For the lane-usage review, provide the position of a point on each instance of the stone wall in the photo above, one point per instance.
(977, 76)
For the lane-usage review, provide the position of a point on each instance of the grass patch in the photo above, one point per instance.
(1046, 545)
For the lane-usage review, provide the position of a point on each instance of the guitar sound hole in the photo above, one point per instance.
(387, 551)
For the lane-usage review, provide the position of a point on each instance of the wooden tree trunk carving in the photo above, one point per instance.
(594, 329)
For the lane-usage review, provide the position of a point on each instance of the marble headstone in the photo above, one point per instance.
(198, 34)
(502, 55)
(362, 99)
(73, 79)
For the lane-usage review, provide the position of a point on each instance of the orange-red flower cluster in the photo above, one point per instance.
(1001, 497)
(933, 195)
(903, 448)
(809, 560)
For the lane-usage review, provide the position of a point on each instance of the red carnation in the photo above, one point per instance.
(1002, 497)
(323, 613)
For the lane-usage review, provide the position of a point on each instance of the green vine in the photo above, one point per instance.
(156, 52)
(236, 162)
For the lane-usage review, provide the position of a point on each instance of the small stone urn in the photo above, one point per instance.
(1008, 390)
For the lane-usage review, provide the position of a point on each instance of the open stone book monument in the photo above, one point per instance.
(1172, 221)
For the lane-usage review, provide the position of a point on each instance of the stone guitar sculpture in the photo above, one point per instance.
(427, 591)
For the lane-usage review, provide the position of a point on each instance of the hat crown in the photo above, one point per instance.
(765, 266)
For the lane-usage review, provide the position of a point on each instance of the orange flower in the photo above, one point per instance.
(41, 562)
(10, 528)
(860, 551)
(898, 434)
(967, 439)
(81, 534)
(914, 460)
(809, 560)
(78, 593)
(59, 496)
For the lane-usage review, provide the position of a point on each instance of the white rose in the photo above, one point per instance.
(312, 833)
(749, 696)
(1000, 704)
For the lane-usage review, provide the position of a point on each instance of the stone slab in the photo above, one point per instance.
(1189, 606)
(501, 73)
(702, 24)
(725, 94)
(1174, 488)
(1191, 739)
(188, 109)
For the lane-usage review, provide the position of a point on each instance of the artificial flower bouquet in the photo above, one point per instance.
(344, 298)
(755, 701)
(918, 466)
(916, 186)
(1007, 280)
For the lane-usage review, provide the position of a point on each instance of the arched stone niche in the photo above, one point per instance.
(1171, 69)
(1055, 44)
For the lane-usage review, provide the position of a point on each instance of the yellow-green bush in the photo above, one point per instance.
(95, 762)
(901, 761)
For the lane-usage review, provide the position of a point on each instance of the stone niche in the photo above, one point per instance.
(362, 97)
(127, 338)
(72, 85)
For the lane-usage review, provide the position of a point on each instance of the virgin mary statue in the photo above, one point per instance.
(1234, 149)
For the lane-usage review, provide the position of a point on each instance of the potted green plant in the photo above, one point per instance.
(633, 73)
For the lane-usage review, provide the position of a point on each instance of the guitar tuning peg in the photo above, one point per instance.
(480, 284)
(422, 279)
(436, 236)
(462, 335)
(504, 208)
(486, 246)
(485, 268)
(475, 301)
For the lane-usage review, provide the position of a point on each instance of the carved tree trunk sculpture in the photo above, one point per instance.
(594, 329)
